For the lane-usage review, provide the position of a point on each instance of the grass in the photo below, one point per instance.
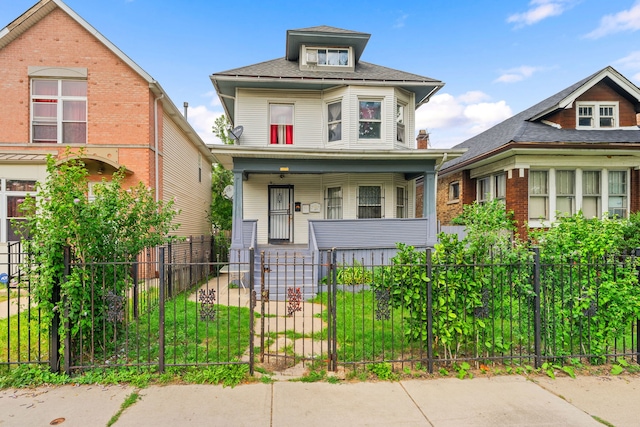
(129, 401)
(21, 338)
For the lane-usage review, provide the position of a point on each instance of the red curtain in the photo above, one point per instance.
(279, 137)
(289, 134)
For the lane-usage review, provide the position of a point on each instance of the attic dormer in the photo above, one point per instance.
(325, 48)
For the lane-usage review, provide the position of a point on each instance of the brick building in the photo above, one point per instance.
(578, 150)
(64, 84)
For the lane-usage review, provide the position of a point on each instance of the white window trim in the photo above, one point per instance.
(4, 205)
(450, 199)
(269, 123)
(381, 121)
(405, 205)
(59, 105)
(342, 199)
(404, 123)
(382, 198)
(341, 121)
(596, 114)
(309, 57)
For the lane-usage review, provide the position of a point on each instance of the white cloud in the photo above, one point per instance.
(627, 20)
(451, 120)
(400, 21)
(539, 10)
(631, 62)
(202, 120)
(518, 74)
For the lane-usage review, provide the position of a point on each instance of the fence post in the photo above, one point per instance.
(169, 270)
(429, 312)
(252, 305)
(637, 254)
(161, 311)
(65, 303)
(54, 331)
(134, 274)
(537, 324)
(190, 261)
(262, 301)
(332, 299)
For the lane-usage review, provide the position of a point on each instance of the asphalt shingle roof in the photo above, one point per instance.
(519, 129)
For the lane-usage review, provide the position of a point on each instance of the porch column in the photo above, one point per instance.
(429, 205)
(236, 229)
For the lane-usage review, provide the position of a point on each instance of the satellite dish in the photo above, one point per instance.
(235, 133)
(227, 193)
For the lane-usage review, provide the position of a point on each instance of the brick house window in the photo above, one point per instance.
(565, 192)
(538, 195)
(591, 198)
(454, 191)
(617, 194)
(12, 194)
(59, 111)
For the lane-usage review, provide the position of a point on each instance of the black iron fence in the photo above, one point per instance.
(180, 305)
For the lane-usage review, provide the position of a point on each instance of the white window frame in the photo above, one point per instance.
(272, 120)
(483, 189)
(542, 194)
(59, 100)
(313, 55)
(401, 129)
(568, 178)
(596, 114)
(378, 120)
(621, 211)
(335, 122)
(591, 191)
(499, 186)
(338, 208)
(402, 203)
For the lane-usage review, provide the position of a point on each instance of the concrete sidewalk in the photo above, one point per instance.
(495, 401)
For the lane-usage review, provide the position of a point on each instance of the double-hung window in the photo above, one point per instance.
(369, 201)
(12, 194)
(591, 198)
(597, 115)
(334, 203)
(370, 120)
(484, 190)
(618, 194)
(454, 191)
(334, 121)
(401, 202)
(281, 124)
(59, 111)
(500, 186)
(538, 195)
(565, 192)
(400, 136)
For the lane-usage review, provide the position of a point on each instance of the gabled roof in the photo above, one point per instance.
(524, 127)
(41, 9)
(283, 73)
(324, 35)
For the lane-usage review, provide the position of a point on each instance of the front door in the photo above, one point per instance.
(280, 213)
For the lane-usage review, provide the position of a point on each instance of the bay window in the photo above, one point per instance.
(617, 194)
(334, 121)
(370, 120)
(401, 202)
(538, 195)
(370, 201)
(565, 192)
(334, 203)
(400, 137)
(591, 201)
(281, 124)
(59, 111)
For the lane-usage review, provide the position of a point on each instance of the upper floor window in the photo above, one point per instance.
(370, 120)
(334, 121)
(400, 137)
(328, 57)
(281, 123)
(59, 111)
(597, 115)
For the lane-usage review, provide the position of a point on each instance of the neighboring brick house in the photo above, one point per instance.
(63, 84)
(578, 150)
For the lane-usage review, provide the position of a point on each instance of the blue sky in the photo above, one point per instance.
(496, 57)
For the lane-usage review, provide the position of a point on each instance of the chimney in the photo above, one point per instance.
(422, 139)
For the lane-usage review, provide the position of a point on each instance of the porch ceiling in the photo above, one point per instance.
(318, 161)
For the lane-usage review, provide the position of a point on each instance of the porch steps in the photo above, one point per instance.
(285, 268)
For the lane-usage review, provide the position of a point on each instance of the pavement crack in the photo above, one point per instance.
(416, 404)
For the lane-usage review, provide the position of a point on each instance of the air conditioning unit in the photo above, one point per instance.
(312, 57)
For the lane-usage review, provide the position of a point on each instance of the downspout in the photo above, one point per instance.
(156, 144)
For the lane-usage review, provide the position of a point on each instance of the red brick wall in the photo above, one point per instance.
(447, 209)
(599, 92)
(120, 105)
(517, 199)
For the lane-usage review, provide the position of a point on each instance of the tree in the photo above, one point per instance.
(221, 207)
(105, 234)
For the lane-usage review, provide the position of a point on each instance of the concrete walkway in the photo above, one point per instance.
(496, 401)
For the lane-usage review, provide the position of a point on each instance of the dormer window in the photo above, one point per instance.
(327, 57)
(597, 115)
